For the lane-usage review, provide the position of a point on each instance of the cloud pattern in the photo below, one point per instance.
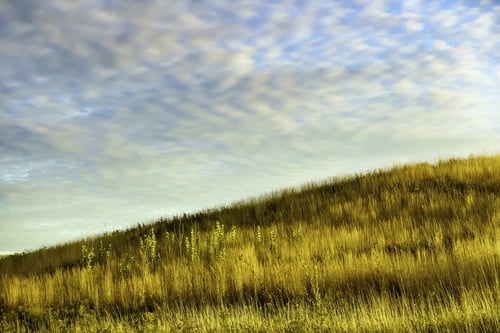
(113, 112)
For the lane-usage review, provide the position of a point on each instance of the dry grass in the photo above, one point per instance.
(414, 248)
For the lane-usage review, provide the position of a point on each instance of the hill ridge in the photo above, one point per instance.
(412, 248)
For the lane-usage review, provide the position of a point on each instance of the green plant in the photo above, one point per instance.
(273, 242)
(258, 234)
(297, 232)
(149, 249)
(104, 253)
(88, 258)
(217, 246)
(192, 246)
(232, 234)
(126, 263)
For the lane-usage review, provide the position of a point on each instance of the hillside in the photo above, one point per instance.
(413, 248)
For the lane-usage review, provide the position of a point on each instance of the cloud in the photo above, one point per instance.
(193, 104)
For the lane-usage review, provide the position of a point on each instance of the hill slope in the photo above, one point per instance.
(413, 248)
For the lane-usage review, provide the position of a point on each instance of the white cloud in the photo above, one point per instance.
(406, 87)
(440, 45)
(414, 25)
(184, 107)
(446, 19)
(412, 5)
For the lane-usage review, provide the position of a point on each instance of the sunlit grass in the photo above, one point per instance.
(414, 248)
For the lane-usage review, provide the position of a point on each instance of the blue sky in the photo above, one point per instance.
(115, 112)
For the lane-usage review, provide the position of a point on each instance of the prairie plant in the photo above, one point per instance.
(258, 234)
(170, 242)
(217, 246)
(297, 232)
(126, 263)
(192, 245)
(231, 237)
(273, 243)
(104, 253)
(88, 259)
(149, 248)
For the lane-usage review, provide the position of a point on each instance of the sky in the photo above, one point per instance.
(118, 112)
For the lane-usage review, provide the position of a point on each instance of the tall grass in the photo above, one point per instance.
(414, 248)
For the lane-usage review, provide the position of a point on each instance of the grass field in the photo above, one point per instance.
(411, 249)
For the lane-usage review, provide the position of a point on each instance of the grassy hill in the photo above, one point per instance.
(414, 248)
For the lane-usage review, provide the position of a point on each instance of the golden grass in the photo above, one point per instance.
(414, 248)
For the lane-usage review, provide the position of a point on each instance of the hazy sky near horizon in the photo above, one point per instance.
(115, 112)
